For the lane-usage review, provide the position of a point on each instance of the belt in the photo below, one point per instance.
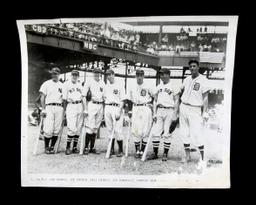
(191, 105)
(160, 106)
(113, 104)
(143, 104)
(96, 102)
(55, 104)
(76, 102)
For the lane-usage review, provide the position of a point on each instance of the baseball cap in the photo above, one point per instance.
(139, 72)
(165, 71)
(110, 72)
(55, 70)
(75, 72)
(97, 70)
(193, 61)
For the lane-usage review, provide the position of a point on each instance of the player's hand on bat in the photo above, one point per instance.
(154, 119)
(43, 113)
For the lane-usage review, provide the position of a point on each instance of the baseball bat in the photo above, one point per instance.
(111, 140)
(38, 136)
(143, 158)
(127, 138)
(59, 137)
(82, 140)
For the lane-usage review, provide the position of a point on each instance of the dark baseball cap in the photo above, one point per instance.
(75, 72)
(193, 61)
(165, 71)
(110, 72)
(97, 70)
(140, 72)
(55, 70)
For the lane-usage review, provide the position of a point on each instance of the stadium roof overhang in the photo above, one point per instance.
(177, 23)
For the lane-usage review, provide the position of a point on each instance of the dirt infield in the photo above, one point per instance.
(98, 164)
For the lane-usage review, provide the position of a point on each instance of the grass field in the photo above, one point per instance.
(98, 164)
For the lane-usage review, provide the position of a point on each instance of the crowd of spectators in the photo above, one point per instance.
(108, 35)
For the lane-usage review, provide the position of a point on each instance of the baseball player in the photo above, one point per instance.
(72, 95)
(114, 96)
(93, 110)
(165, 111)
(52, 109)
(142, 96)
(193, 111)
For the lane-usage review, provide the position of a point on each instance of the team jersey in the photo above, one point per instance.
(194, 90)
(141, 94)
(96, 88)
(72, 91)
(114, 93)
(53, 91)
(165, 94)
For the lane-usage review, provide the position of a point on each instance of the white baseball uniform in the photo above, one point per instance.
(54, 109)
(191, 120)
(74, 111)
(95, 106)
(141, 96)
(164, 112)
(113, 95)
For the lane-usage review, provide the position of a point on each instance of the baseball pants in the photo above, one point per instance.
(74, 115)
(191, 125)
(52, 121)
(94, 118)
(110, 117)
(141, 123)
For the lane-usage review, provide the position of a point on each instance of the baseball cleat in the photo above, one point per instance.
(164, 158)
(68, 151)
(94, 151)
(192, 150)
(152, 157)
(86, 151)
(47, 151)
(141, 154)
(75, 150)
(51, 150)
(137, 155)
(112, 152)
(119, 154)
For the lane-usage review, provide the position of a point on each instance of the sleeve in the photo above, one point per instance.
(205, 85)
(43, 88)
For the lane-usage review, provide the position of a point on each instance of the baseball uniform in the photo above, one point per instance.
(74, 112)
(54, 109)
(191, 120)
(95, 106)
(164, 112)
(141, 96)
(113, 95)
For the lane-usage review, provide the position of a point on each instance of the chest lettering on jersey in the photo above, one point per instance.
(60, 90)
(75, 89)
(166, 90)
(196, 86)
(115, 91)
(101, 89)
(143, 92)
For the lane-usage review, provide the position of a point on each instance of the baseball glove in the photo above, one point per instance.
(173, 125)
(89, 95)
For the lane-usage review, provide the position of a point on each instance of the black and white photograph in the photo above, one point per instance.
(127, 102)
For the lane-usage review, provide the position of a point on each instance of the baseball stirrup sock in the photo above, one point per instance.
(54, 140)
(166, 147)
(201, 149)
(187, 147)
(93, 138)
(46, 142)
(143, 146)
(113, 145)
(75, 138)
(137, 146)
(69, 139)
(87, 140)
(120, 145)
